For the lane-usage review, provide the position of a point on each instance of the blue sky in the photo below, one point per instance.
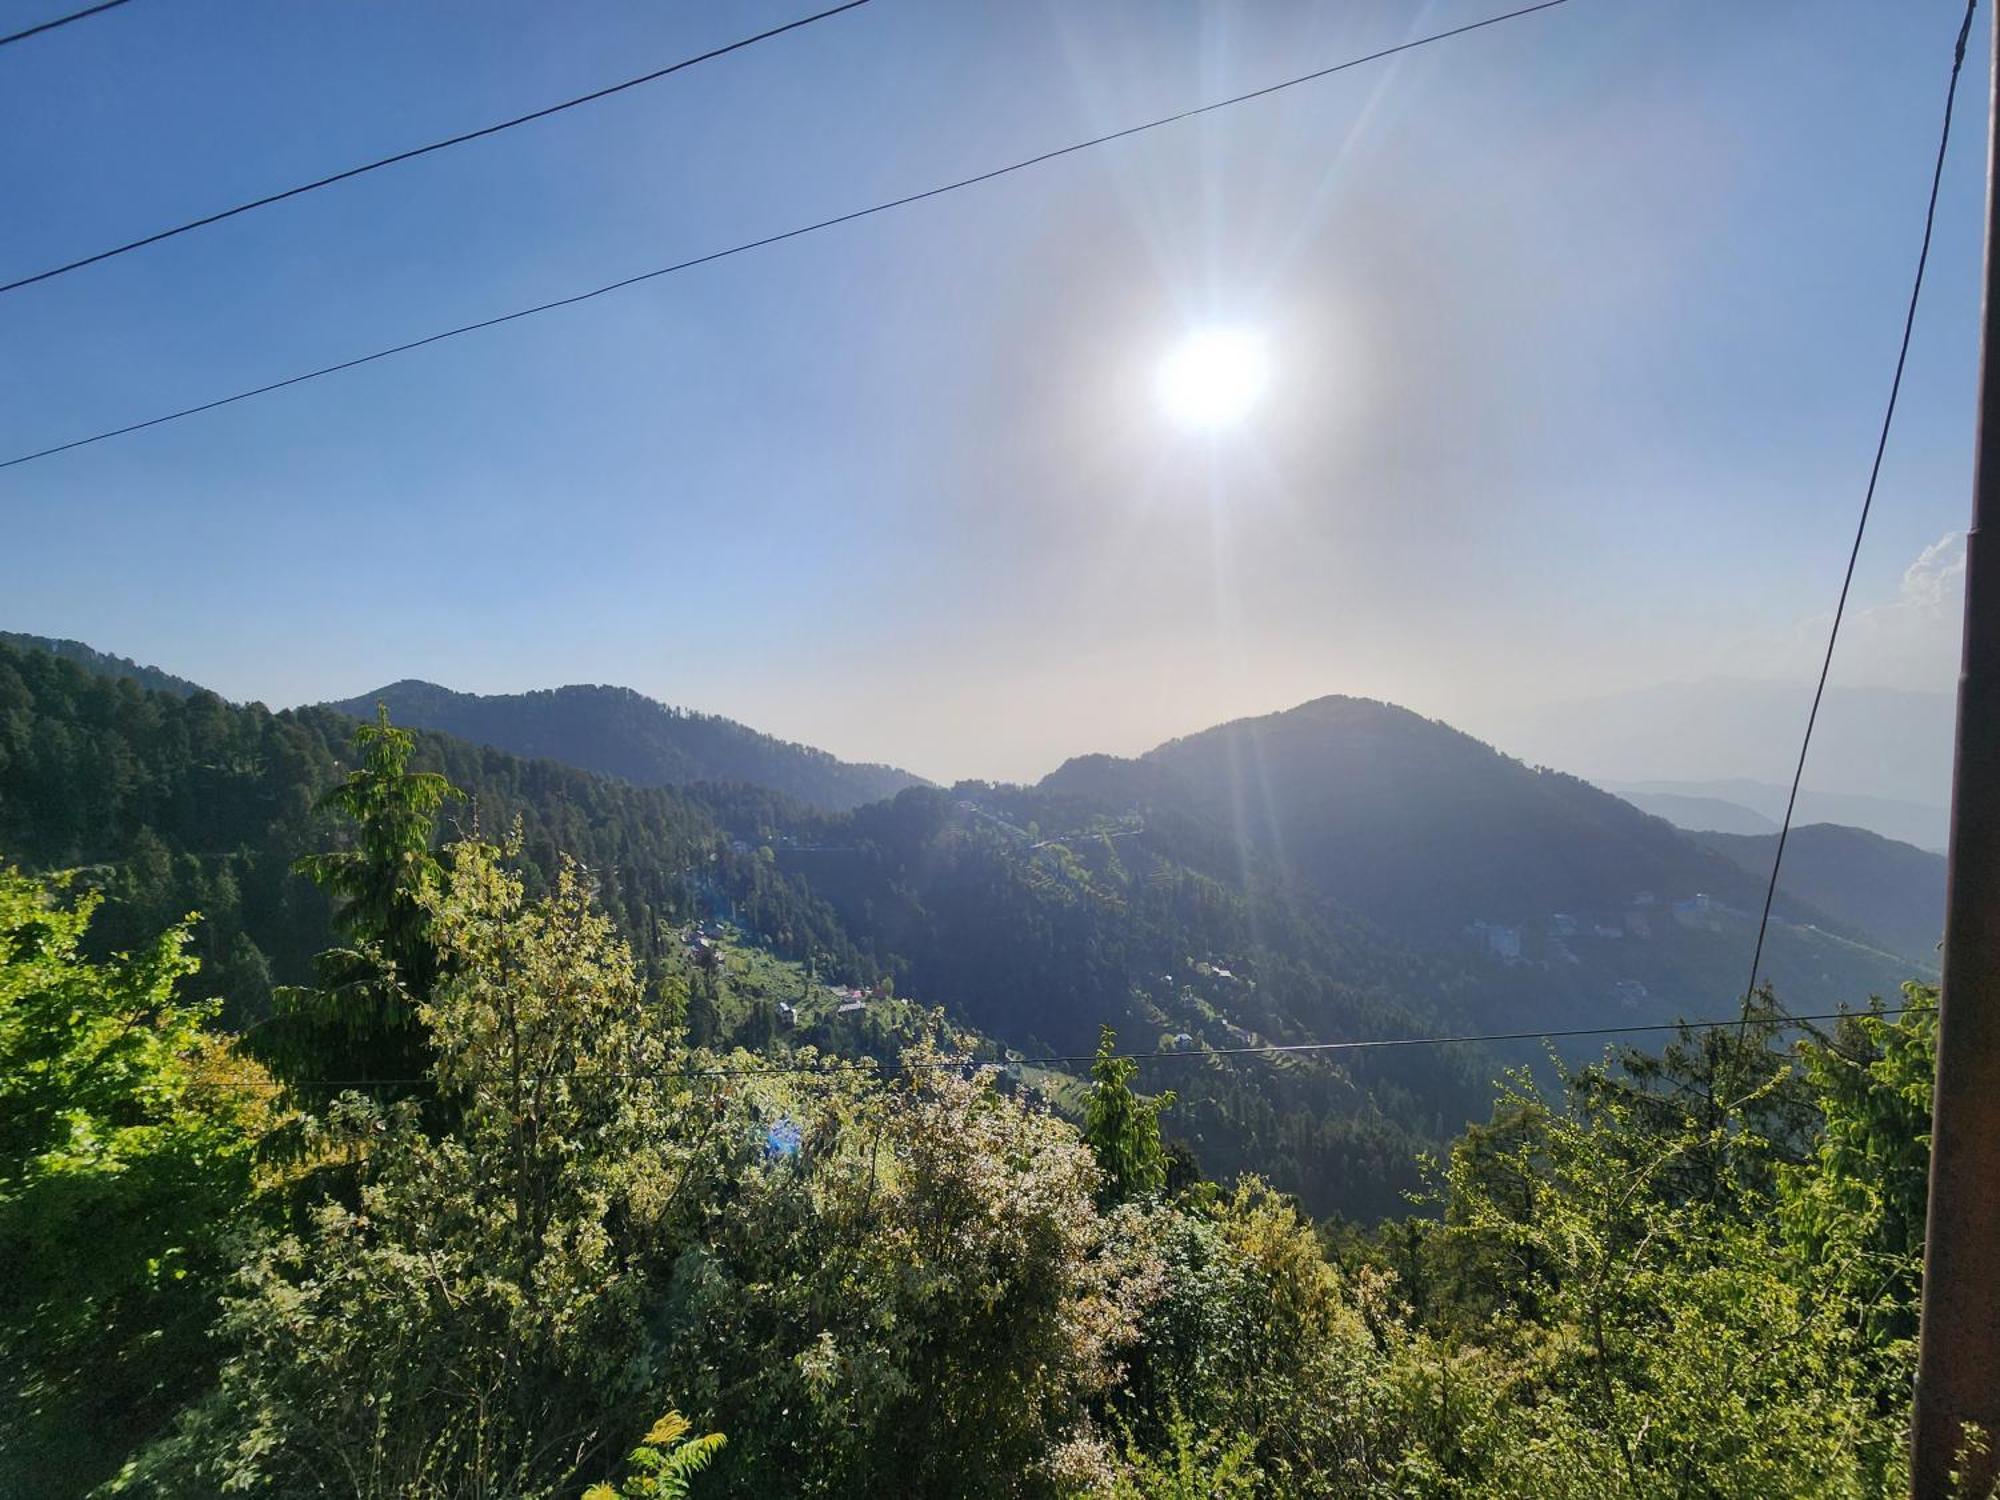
(1580, 330)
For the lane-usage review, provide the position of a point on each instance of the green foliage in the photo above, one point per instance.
(1192, 1465)
(1686, 1273)
(664, 1464)
(360, 1024)
(924, 1301)
(1862, 1193)
(174, 803)
(1123, 1130)
(1255, 1333)
(1631, 1291)
(924, 1293)
(472, 1323)
(1645, 1321)
(126, 1136)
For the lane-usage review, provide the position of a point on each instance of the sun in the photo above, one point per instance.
(1214, 377)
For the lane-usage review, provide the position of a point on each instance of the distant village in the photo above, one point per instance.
(704, 944)
(1556, 939)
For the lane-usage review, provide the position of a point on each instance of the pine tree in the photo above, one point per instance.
(704, 1011)
(360, 1023)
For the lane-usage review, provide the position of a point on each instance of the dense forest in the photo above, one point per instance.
(473, 1217)
(173, 804)
(618, 732)
(1113, 892)
(1864, 880)
(153, 679)
(1432, 835)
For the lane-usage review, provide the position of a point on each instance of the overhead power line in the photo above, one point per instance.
(778, 238)
(75, 15)
(416, 151)
(1175, 1054)
(1867, 502)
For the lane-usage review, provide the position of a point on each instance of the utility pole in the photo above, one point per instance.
(1958, 1363)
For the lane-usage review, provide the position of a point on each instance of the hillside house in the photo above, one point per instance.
(1497, 939)
(1700, 912)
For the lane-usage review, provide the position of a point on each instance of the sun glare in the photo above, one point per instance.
(1213, 377)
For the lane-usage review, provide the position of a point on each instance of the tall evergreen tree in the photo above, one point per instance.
(359, 1025)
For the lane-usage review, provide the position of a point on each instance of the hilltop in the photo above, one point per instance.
(1567, 901)
(103, 664)
(619, 732)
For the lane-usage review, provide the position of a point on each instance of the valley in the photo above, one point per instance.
(1345, 871)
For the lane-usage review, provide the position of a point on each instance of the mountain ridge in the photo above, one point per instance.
(1575, 899)
(1847, 872)
(1923, 825)
(619, 731)
(103, 663)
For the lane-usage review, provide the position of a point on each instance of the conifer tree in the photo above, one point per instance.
(360, 1023)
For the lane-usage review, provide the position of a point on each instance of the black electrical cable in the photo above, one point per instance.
(1867, 504)
(75, 15)
(416, 151)
(772, 239)
(1175, 1054)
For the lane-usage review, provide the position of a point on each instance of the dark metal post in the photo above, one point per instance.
(1958, 1364)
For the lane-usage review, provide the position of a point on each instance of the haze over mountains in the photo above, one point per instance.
(1881, 757)
(1741, 805)
(1343, 870)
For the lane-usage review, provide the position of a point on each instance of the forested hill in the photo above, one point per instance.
(173, 804)
(1426, 828)
(1456, 848)
(103, 664)
(619, 732)
(1038, 917)
(1883, 885)
(1140, 893)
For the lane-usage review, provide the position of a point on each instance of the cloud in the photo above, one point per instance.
(1912, 640)
(1935, 580)
(1909, 640)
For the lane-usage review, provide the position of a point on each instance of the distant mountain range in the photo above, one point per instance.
(1343, 870)
(1738, 805)
(618, 732)
(1890, 744)
(1696, 813)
